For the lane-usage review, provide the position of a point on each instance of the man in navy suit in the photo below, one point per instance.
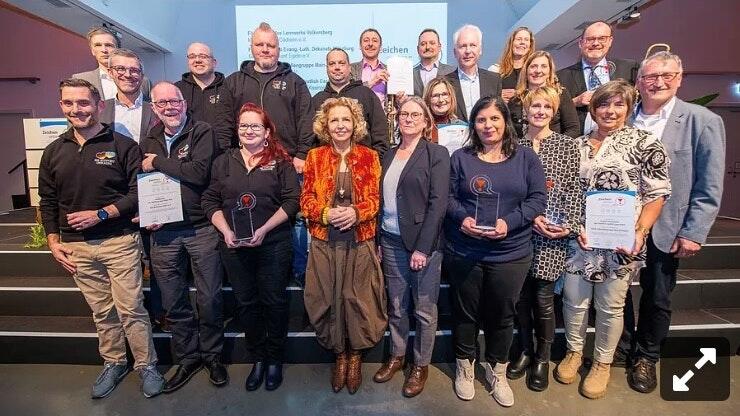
(694, 138)
(594, 69)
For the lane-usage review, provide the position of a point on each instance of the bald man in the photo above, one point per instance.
(202, 87)
(184, 149)
(594, 69)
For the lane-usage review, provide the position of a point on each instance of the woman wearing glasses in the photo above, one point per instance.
(497, 189)
(614, 157)
(414, 191)
(344, 295)
(251, 199)
(439, 97)
(539, 71)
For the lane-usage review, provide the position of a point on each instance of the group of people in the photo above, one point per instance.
(502, 218)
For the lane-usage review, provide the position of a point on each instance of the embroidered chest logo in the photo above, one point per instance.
(268, 167)
(183, 151)
(105, 158)
(214, 99)
(481, 184)
(279, 85)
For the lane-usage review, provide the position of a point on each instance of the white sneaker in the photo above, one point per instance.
(464, 375)
(500, 389)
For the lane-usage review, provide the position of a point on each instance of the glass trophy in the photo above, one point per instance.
(486, 210)
(241, 217)
(555, 214)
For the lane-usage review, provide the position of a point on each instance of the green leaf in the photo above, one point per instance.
(703, 101)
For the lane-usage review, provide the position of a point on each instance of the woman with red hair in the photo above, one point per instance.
(252, 198)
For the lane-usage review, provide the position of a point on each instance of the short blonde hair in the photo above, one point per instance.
(427, 132)
(545, 92)
(321, 120)
(605, 92)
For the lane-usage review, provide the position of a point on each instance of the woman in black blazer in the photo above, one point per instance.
(414, 191)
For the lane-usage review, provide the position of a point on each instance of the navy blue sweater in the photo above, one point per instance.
(520, 183)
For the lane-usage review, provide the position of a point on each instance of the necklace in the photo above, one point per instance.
(343, 174)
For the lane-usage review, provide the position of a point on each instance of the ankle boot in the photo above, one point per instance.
(500, 389)
(388, 369)
(354, 371)
(539, 375)
(594, 385)
(339, 375)
(518, 368)
(415, 381)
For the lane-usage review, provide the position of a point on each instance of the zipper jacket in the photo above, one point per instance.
(282, 94)
(202, 103)
(189, 160)
(100, 172)
(273, 186)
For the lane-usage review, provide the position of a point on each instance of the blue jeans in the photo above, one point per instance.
(301, 239)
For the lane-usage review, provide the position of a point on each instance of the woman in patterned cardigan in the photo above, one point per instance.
(614, 157)
(344, 295)
(560, 159)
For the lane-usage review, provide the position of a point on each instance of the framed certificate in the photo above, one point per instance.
(610, 219)
(160, 200)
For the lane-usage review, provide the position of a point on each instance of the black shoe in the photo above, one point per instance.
(621, 358)
(255, 377)
(183, 374)
(519, 367)
(217, 372)
(274, 376)
(641, 376)
(539, 375)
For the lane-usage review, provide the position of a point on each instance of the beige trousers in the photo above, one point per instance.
(109, 276)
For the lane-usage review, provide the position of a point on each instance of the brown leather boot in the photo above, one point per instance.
(414, 383)
(354, 371)
(388, 369)
(339, 375)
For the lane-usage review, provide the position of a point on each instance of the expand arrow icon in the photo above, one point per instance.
(708, 355)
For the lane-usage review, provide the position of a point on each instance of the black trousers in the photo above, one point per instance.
(484, 295)
(259, 277)
(657, 280)
(536, 311)
(193, 338)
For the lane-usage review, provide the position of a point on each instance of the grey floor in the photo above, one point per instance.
(64, 390)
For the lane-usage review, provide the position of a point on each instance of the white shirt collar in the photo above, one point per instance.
(139, 101)
(602, 63)
(664, 112)
(464, 76)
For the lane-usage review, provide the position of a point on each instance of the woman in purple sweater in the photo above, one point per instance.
(496, 190)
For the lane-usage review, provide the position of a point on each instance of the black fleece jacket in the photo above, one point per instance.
(76, 178)
(377, 123)
(285, 98)
(189, 160)
(202, 103)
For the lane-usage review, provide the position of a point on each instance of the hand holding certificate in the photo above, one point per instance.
(160, 201)
(610, 219)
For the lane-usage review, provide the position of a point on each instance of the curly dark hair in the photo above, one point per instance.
(474, 142)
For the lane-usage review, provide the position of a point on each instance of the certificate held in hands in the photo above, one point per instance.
(160, 201)
(610, 219)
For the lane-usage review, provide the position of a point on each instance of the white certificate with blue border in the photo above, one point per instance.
(610, 219)
(452, 136)
(160, 200)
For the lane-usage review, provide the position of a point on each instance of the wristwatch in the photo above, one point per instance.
(102, 214)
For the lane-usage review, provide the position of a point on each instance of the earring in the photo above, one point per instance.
(265, 143)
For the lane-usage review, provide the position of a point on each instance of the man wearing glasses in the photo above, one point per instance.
(102, 41)
(202, 87)
(128, 112)
(695, 140)
(183, 148)
(594, 69)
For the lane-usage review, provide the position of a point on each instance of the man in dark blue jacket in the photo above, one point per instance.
(184, 150)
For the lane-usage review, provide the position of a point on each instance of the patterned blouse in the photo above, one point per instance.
(628, 160)
(560, 158)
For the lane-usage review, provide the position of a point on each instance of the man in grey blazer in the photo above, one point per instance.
(370, 70)
(128, 112)
(471, 82)
(102, 41)
(429, 47)
(694, 138)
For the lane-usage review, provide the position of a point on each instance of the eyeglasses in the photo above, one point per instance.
(254, 127)
(440, 96)
(193, 56)
(594, 39)
(653, 78)
(121, 70)
(163, 103)
(412, 116)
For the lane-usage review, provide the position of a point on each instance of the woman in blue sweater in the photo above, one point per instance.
(496, 190)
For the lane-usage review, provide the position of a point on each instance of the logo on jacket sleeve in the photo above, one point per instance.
(105, 158)
(279, 85)
(183, 151)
